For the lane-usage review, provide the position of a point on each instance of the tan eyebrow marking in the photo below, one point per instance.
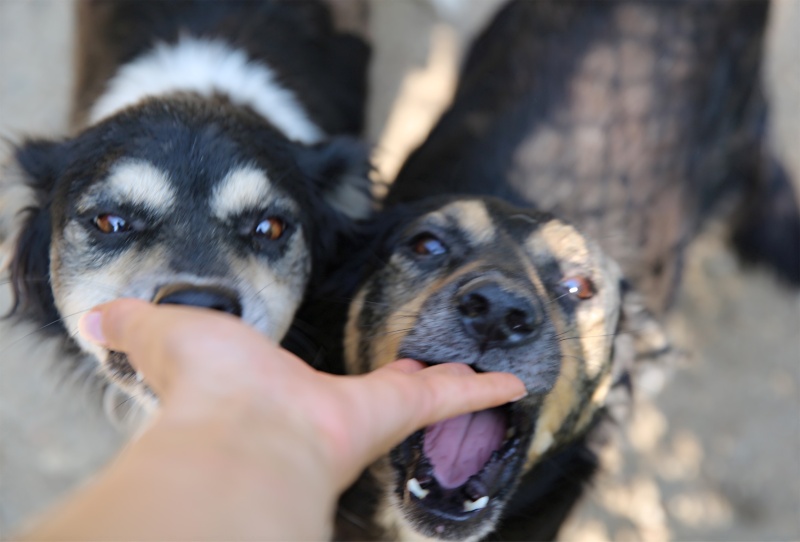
(473, 219)
(242, 189)
(134, 182)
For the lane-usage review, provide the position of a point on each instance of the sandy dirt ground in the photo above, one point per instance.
(715, 456)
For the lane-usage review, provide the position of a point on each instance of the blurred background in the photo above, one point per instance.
(714, 456)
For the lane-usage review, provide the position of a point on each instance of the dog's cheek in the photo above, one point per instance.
(385, 315)
(83, 275)
(560, 407)
(272, 290)
(74, 296)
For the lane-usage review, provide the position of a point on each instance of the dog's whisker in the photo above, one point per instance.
(57, 320)
(586, 336)
(264, 288)
(550, 302)
(350, 516)
(405, 317)
(348, 300)
(391, 332)
(579, 358)
(94, 282)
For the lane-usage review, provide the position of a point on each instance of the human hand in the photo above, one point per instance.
(249, 442)
(202, 363)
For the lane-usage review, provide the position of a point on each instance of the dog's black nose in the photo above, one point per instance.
(207, 297)
(495, 316)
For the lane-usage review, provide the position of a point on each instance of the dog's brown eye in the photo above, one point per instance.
(426, 244)
(272, 228)
(579, 287)
(109, 223)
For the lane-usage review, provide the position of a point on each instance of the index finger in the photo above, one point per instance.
(390, 404)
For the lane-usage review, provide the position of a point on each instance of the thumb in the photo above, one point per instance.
(161, 340)
(123, 325)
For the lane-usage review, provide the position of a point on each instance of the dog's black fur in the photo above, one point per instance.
(698, 142)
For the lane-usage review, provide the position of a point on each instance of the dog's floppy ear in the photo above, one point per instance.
(35, 166)
(340, 169)
(643, 354)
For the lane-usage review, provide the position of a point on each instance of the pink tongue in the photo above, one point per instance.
(459, 447)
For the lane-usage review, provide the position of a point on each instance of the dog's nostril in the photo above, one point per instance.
(495, 315)
(206, 297)
(473, 305)
(519, 322)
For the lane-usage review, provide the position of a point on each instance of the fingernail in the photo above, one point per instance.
(522, 395)
(91, 327)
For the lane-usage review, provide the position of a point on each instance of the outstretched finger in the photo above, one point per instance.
(452, 389)
(389, 405)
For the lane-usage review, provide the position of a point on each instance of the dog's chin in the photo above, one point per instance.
(119, 368)
(454, 478)
(121, 372)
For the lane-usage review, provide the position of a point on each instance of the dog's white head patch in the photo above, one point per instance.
(207, 67)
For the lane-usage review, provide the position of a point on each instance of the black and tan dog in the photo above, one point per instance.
(205, 171)
(629, 120)
(501, 288)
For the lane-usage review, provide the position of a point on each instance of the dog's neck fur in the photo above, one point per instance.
(207, 67)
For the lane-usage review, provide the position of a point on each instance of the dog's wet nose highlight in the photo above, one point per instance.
(496, 316)
(208, 297)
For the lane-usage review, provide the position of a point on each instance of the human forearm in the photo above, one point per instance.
(203, 467)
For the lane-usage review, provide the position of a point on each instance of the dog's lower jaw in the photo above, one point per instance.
(399, 520)
(393, 522)
(129, 411)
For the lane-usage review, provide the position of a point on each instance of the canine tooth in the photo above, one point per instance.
(511, 432)
(139, 376)
(471, 506)
(416, 489)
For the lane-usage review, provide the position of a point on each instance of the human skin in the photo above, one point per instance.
(249, 441)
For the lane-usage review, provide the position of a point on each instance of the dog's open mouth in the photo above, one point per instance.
(460, 469)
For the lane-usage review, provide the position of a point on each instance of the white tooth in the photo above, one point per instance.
(139, 376)
(414, 487)
(471, 506)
